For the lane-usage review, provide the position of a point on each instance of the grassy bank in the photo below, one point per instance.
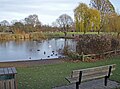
(10, 36)
(70, 34)
(48, 76)
(42, 35)
(53, 34)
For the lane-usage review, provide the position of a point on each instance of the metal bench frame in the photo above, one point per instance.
(81, 74)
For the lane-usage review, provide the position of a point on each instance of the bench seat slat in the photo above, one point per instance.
(86, 77)
(89, 71)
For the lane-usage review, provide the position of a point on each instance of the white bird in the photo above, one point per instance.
(50, 46)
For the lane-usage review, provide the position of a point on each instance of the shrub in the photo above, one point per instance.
(93, 44)
(114, 43)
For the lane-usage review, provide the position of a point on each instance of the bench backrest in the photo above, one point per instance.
(92, 73)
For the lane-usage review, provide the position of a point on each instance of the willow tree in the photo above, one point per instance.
(80, 15)
(86, 18)
(105, 7)
(94, 19)
(114, 21)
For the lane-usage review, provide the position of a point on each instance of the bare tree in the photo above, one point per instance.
(4, 23)
(32, 20)
(64, 22)
(4, 26)
(105, 7)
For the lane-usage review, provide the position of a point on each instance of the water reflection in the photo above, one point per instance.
(32, 50)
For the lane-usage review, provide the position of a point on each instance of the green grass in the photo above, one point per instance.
(48, 76)
(55, 34)
(61, 34)
(83, 33)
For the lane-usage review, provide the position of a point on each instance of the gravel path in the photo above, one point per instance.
(28, 63)
(94, 84)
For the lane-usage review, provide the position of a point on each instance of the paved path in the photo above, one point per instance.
(94, 84)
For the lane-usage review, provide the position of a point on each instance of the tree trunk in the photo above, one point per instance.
(98, 32)
(118, 34)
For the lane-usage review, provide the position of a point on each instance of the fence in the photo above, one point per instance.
(83, 57)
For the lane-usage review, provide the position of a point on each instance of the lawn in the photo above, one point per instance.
(69, 34)
(48, 76)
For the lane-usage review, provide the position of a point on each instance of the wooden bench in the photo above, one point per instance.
(78, 76)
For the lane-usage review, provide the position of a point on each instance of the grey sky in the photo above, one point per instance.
(47, 10)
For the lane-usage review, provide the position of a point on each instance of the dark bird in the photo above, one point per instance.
(38, 50)
(44, 52)
(48, 56)
(60, 57)
(53, 51)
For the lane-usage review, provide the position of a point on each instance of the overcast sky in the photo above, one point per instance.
(47, 10)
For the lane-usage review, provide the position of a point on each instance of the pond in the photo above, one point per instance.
(34, 50)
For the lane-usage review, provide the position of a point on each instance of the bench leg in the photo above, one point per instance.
(106, 77)
(77, 85)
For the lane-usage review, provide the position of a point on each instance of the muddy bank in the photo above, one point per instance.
(28, 63)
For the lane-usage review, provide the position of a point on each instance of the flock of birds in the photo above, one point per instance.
(53, 53)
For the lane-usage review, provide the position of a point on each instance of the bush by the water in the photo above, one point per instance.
(96, 44)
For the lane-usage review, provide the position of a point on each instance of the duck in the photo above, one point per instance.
(44, 52)
(48, 56)
(38, 50)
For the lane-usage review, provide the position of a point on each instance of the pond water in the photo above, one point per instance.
(33, 50)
